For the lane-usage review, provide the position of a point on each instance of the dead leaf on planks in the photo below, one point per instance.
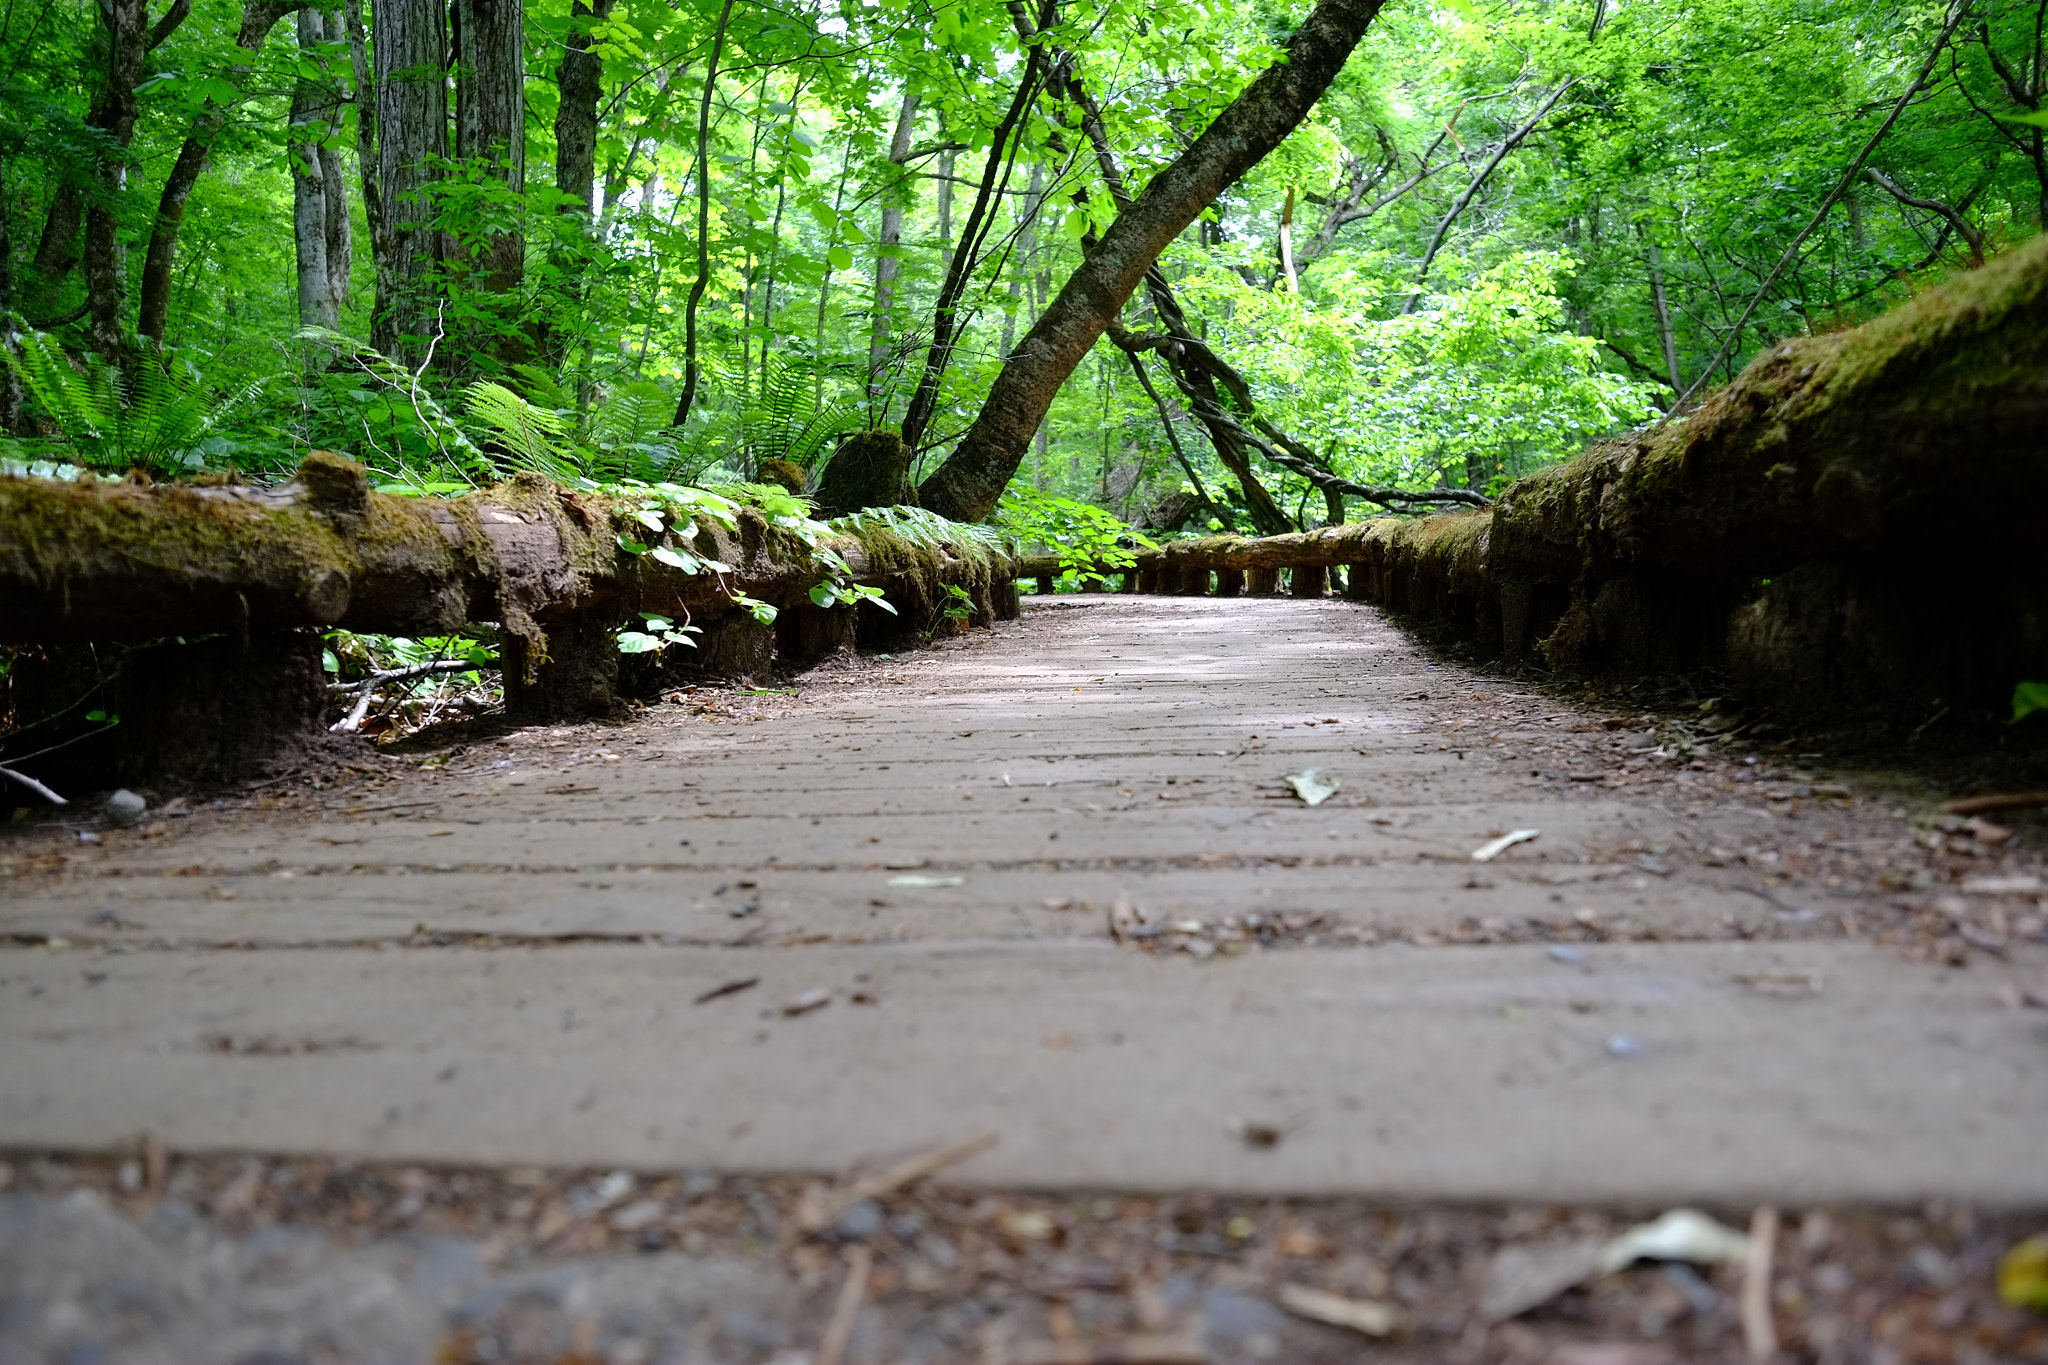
(1369, 1317)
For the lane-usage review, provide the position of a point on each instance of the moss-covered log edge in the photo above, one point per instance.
(108, 561)
(1854, 520)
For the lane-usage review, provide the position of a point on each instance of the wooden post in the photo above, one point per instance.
(1194, 582)
(1311, 581)
(1044, 584)
(1147, 580)
(1358, 582)
(1130, 581)
(1230, 582)
(1261, 582)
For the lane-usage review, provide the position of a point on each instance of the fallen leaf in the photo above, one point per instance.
(1526, 1276)
(815, 999)
(2023, 1274)
(915, 880)
(1492, 849)
(1679, 1235)
(1314, 786)
(1367, 1316)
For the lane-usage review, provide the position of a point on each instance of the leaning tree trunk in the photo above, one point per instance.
(411, 52)
(968, 484)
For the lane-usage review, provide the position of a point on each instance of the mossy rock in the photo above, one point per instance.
(869, 470)
(785, 474)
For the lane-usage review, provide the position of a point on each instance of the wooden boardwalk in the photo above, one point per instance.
(1694, 983)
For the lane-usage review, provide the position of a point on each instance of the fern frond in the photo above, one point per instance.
(537, 439)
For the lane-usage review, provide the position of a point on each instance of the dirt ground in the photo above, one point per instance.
(414, 1045)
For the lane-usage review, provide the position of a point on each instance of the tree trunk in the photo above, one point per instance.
(57, 246)
(126, 24)
(887, 243)
(1663, 307)
(411, 50)
(968, 484)
(490, 117)
(703, 280)
(320, 220)
(578, 83)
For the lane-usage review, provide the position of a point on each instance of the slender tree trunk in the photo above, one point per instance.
(412, 133)
(10, 382)
(887, 244)
(1664, 335)
(1002, 154)
(1027, 247)
(968, 484)
(1287, 244)
(367, 159)
(703, 280)
(948, 160)
(1195, 381)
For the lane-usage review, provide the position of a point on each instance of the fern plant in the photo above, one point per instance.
(155, 415)
(787, 420)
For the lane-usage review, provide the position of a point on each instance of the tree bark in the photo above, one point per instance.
(57, 246)
(126, 23)
(577, 81)
(490, 118)
(887, 245)
(411, 56)
(968, 484)
(320, 219)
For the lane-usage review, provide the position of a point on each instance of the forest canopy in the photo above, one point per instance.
(703, 241)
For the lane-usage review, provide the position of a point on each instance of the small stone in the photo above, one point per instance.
(1565, 953)
(1626, 1047)
(860, 1222)
(124, 808)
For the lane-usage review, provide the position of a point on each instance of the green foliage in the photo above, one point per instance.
(658, 633)
(2027, 698)
(155, 414)
(1082, 535)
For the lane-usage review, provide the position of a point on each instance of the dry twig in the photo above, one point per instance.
(882, 1182)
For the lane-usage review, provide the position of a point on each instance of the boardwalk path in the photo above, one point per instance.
(1693, 984)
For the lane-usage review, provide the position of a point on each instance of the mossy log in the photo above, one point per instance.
(1853, 522)
(113, 561)
(86, 561)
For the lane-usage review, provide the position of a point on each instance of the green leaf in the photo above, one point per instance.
(650, 518)
(2029, 697)
(676, 559)
(637, 642)
(2037, 119)
(630, 546)
(840, 257)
